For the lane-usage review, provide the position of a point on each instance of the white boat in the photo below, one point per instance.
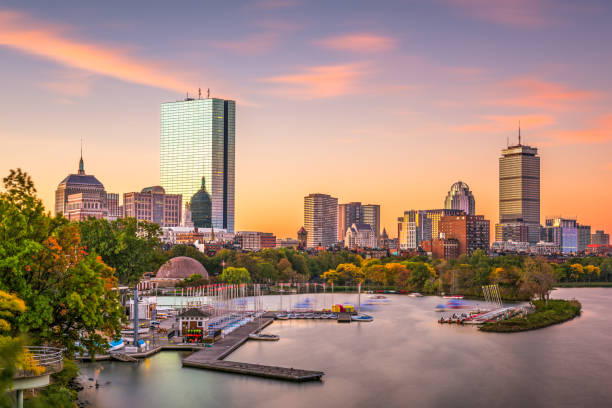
(415, 294)
(141, 330)
(282, 316)
(116, 345)
(264, 337)
(362, 318)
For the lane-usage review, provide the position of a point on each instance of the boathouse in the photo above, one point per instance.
(192, 319)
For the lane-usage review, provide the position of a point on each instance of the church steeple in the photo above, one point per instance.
(81, 165)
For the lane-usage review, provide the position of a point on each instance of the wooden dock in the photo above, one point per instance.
(211, 358)
(344, 317)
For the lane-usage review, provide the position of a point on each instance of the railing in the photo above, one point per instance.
(50, 358)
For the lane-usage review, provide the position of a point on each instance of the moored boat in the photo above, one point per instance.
(362, 318)
(263, 337)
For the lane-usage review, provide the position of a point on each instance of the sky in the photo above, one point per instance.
(386, 102)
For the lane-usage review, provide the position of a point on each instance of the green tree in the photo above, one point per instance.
(234, 275)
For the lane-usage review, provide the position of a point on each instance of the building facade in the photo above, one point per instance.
(360, 236)
(600, 238)
(460, 197)
(371, 216)
(472, 232)
(519, 194)
(198, 141)
(584, 237)
(78, 183)
(114, 209)
(154, 205)
(82, 206)
(413, 228)
(436, 215)
(441, 248)
(200, 207)
(254, 240)
(348, 214)
(563, 232)
(321, 220)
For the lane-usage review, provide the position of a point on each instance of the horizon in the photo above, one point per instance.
(376, 109)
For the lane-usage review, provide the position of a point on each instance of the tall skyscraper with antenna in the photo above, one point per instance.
(519, 194)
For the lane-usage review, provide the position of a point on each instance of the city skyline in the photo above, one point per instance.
(366, 80)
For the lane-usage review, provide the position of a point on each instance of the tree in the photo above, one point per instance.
(194, 280)
(576, 271)
(538, 278)
(234, 275)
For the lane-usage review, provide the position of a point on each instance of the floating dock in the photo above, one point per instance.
(211, 358)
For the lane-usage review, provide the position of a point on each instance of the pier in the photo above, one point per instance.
(211, 358)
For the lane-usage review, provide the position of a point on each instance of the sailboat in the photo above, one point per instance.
(360, 317)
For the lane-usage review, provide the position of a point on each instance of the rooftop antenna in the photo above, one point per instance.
(208, 93)
(519, 132)
(199, 93)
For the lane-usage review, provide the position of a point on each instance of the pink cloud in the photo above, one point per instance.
(253, 45)
(599, 132)
(505, 123)
(359, 42)
(319, 82)
(33, 37)
(71, 83)
(522, 13)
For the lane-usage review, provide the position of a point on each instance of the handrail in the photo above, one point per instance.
(51, 358)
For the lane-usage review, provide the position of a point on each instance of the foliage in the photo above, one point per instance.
(233, 275)
(11, 346)
(547, 313)
(194, 280)
(130, 246)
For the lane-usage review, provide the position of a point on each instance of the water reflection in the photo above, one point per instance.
(402, 358)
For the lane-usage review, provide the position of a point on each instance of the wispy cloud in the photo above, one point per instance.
(358, 42)
(20, 32)
(522, 13)
(535, 93)
(599, 132)
(505, 123)
(254, 44)
(319, 81)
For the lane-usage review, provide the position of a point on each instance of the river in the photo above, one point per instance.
(402, 358)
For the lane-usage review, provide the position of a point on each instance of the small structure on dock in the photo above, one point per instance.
(193, 319)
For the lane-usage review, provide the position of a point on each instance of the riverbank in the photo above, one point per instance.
(584, 285)
(546, 314)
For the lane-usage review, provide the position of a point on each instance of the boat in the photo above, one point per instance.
(282, 316)
(415, 294)
(362, 318)
(263, 337)
(378, 297)
(116, 345)
(453, 297)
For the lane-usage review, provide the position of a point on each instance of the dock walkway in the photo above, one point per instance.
(211, 358)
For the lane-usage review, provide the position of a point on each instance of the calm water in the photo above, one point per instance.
(403, 358)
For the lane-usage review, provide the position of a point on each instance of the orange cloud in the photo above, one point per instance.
(252, 45)
(599, 132)
(531, 92)
(19, 32)
(320, 82)
(505, 123)
(359, 42)
(522, 13)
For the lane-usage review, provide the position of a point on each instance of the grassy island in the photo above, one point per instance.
(546, 314)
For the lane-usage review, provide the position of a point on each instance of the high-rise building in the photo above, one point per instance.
(584, 237)
(371, 217)
(201, 208)
(460, 197)
(563, 232)
(348, 214)
(413, 228)
(519, 194)
(472, 232)
(112, 204)
(436, 215)
(82, 206)
(198, 141)
(78, 183)
(600, 238)
(321, 220)
(154, 205)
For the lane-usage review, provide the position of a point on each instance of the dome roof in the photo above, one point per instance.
(181, 267)
(201, 208)
(460, 185)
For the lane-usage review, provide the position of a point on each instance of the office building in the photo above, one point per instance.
(563, 232)
(198, 141)
(460, 197)
(348, 214)
(600, 238)
(77, 183)
(287, 243)
(442, 248)
(200, 208)
(584, 237)
(413, 228)
(472, 232)
(154, 205)
(370, 215)
(254, 240)
(519, 194)
(81, 206)
(321, 220)
(114, 209)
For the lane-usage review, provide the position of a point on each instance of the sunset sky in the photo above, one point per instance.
(386, 102)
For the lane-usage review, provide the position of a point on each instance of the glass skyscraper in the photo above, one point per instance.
(198, 142)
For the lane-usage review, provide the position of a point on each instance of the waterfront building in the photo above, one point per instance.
(321, 220)
(201, 208)
(287, 243)
(302, 237)
(152, 204)
(360, 236)
(435, 215)
(198, 141)
(79, 183)
(519, 194)
(541, 248)
(460, 197)
(255, 240)
(600, 238)
(82, 206)
(442, 248)
(413, 228)
(472, 232)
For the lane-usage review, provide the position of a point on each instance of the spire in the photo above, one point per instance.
(212, 234)
(81, 166)
(519, 132)
(203, 183)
